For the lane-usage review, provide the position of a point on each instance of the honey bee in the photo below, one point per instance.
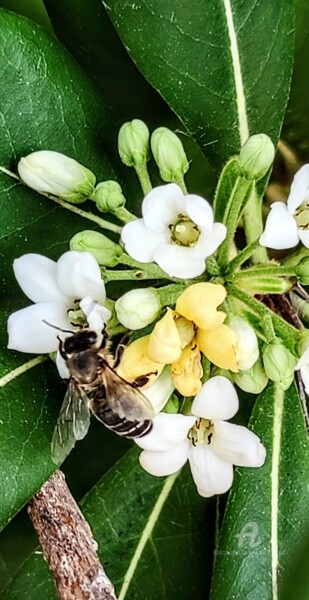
(95, 388)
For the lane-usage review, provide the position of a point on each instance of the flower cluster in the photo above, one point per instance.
(199, 328)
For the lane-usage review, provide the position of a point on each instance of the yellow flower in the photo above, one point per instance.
(199, 302)
(135, 363)
(187, 371)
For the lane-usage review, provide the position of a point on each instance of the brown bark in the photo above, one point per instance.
(68, 544)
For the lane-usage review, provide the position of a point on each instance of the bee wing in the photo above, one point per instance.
(124, 399)
(72, 424)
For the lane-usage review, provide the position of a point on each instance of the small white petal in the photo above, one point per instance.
(299, 191)
(178, 261)
(159, 392)
(211, 240)
(211, 474)
(165, 463)
(303, 360)
(62, 367)
(36, 275)
(217, 399)
(199, 211)
(280, 228)
(304, 236)
(28, 332)
(247, 343)
(168, 431)
(141, 243)
(237, 445)
(96, 314)
(79, 275)
(162, 206)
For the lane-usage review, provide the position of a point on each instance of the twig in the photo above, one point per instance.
(68, 544)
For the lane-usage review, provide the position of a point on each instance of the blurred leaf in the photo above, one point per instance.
(45, 102)
(140, 521)
(34, 10)
(224, 68)
(267, 509)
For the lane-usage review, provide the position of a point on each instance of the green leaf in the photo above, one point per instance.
(267, 508)
(139, 521)
(45, 102)
(214, 63)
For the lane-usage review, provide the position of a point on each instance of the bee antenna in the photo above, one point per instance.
(59, 328)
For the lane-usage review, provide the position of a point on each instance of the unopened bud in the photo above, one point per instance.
(133, 143)
(138, 308)
(265, 284)
(254, 380)
(57, 174)
(256, 156)
(105, 251)
(169, 154)
(247, 343)
(302, 271)
(279, 364)
(108, 196)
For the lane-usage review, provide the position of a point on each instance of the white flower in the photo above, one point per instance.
(287, 224)
(211, 445)
(72, 283)
(177, 232)
(247, 344)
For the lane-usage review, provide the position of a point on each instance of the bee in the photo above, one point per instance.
(95, 388)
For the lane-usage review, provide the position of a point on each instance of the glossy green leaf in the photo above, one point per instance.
(45, 102)
(267, 510)
(155, 537)
(223, 67)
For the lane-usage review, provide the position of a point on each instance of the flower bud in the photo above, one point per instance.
(256, 156)
(108, 196)
(105, 251)
(302, 271)
(138, 308)
(57, 174)
(247, 343)
(169, 154)
(133, 143)
(254, 380)
(279, 364)
(265, 284)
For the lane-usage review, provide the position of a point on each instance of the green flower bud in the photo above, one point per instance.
(57, 174)
(108, 196)
(302, 271)
(101, 247)
(265, 284)
(169, 154)
(256, 156)
(138, 308)
(279, 364)
(133, 143)
(253, 380)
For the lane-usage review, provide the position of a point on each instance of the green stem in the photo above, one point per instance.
(71, 207)
(241, 190)
(182, 185)
(253, 225)
(271, 271)
(143, 176)
(242, 256)
(123, 214)
(151, 269)
(169, 293)
(268, 328)
(284, 329)
(125, 275)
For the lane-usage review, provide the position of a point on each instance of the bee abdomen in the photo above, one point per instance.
(121, 425)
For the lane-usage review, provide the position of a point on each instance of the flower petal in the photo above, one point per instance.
(36, 275)
(247, 343)
(140, 242)
(199, 211)
(199, 303)
(211, 474)
(62, 367)
(299, 191)
(280, 228)
(79, 275)
(96, 314)
(135, 362)
(165, 463)
(211, 240)
(178, 261)
(237, 445)
(159, 392)
(220, 346)
(162, 206)
(216, 400)
(28, 332)
(304, 236)
(168, 430)
(164, 341)
(187, 371)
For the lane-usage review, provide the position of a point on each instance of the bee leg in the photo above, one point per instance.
(142, 379)
(61, 348)
(120, 349)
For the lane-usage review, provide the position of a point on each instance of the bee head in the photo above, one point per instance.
(80, 341)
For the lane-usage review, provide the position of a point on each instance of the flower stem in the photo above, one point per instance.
(71, 207)
(152, 270)
(270, 270)
(143, 176)
(169, 293)
(123, 214)
(242, 256)
(182, 185)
